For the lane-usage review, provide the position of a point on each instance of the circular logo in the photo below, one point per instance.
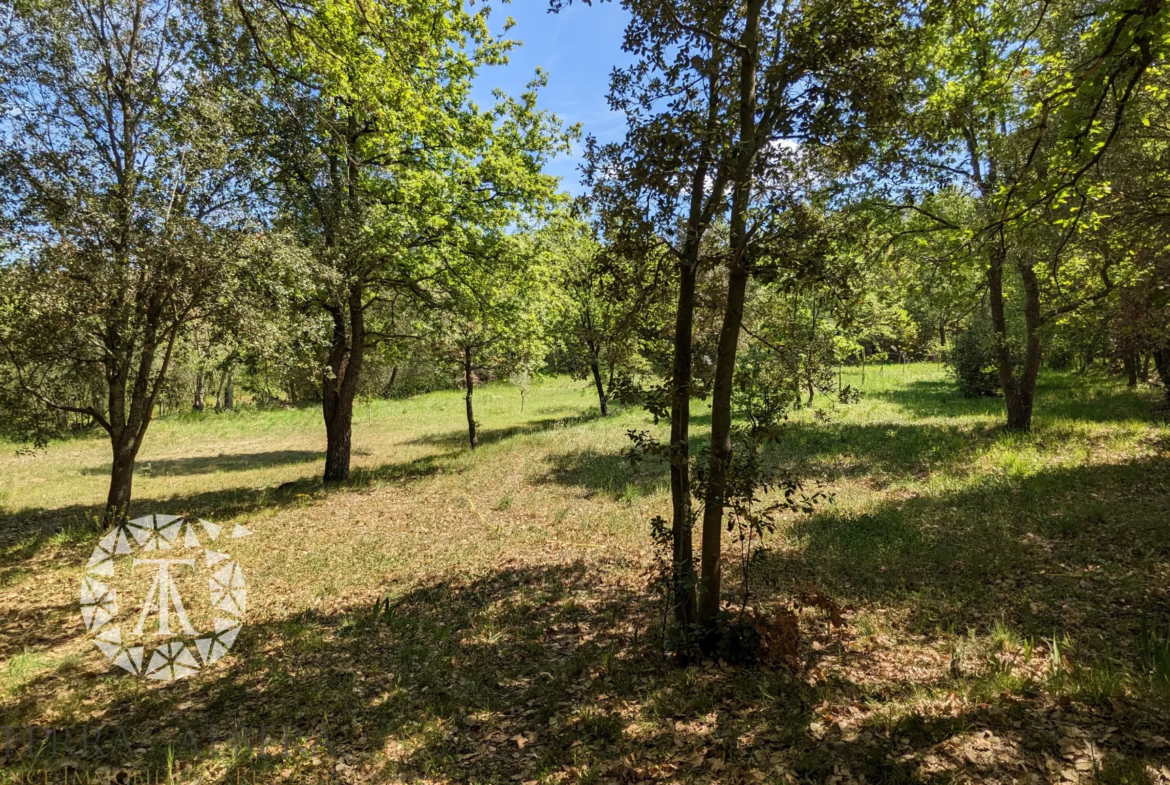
(187, 592)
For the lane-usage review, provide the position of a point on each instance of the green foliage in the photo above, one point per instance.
(972, 360)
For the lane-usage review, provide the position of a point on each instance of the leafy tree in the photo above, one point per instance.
(381, 161)
(815, 74)
(603, 302)
(492, 318)
(1024, 102)
(123, 190)
(657, 195)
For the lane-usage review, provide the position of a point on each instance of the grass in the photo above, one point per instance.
(484, 617)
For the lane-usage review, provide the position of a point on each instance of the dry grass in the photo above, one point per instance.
(520, 644)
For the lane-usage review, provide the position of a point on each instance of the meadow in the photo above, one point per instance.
(460, 616)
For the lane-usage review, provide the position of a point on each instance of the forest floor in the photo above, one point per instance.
(1004, 598)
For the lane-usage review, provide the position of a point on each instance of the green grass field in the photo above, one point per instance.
(1006, 597)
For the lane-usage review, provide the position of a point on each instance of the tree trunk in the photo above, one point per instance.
(469, 383)
(198, 403)
(125, 452)
(720, 461)
(338, 436)
(1018, 394)
(1162, 364)
(340, 384)
(1032, 353)
(229, 396)
(683, 573)
(942, 333)
(710, 577)
(1129, 359)
(600, 385)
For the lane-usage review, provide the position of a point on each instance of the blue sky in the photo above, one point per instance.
(577, 48)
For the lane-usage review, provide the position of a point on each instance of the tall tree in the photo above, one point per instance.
(658, 194)
(380, 160)
(123, 189)
(816, 76)
(1025, 101)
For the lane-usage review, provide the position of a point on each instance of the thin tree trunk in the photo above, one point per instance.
(683, 574)
(1162, 364)
(469, 384)
(704, 200)
(720, 460)
(721, 453)
(198, 403)
(942, 333)
(1017, 393)
(1032, 352)
(600, 385)
(229, 396)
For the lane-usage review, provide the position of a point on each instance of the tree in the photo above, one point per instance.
(123, 188)
(657, 196)
(602, 303)
(719, 96)
(815, 75)
(380, 161)
(1025, 101)
(491, 321)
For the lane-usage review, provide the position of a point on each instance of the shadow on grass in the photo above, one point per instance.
(822, 451)
(235, 462)
(489, 435)
(534, 672)
(1074, 551)
(23, 535)
(1058, 395)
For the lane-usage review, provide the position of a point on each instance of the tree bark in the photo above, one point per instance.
(339, 389)
(1026, 388)
(229, 395)
(721, 454)
(942, 333)
(710, 578)
(1129, 360)
(1019, 394)
(125, 453)
(198, 403)
(704, 201)
(469, 384)
(600, 385)
(683, 578)
(1162, 365)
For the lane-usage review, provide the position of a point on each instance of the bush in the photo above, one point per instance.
(972, 362)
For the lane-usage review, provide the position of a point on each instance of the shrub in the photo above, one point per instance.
(972, 362)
